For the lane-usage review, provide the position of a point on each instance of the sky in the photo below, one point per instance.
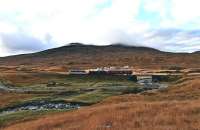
(28, 26)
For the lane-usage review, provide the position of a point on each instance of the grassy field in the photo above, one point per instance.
(21, 116)
(52, 87)
(117, 103)
(176, 108)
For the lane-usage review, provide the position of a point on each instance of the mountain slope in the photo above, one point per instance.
(90, 56)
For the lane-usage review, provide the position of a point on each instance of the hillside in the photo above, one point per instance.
(172, 109)
(89, 56)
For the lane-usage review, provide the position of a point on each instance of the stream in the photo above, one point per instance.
(9, 89)
(35, 105)
(150, 85)
(59, 105)
(39, 106)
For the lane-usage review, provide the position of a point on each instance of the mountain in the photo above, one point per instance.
(77, 55)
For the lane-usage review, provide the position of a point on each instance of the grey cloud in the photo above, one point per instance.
(120, 36)
(175, 40)
(23, 42)
(194, 33)
(165, 33)
(172, 33)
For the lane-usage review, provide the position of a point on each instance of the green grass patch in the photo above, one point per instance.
(92, 97)
(87, 89)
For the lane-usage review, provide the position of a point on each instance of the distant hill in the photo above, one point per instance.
(197, 52)
(77, 55)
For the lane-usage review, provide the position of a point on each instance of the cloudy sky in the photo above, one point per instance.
(34, 25)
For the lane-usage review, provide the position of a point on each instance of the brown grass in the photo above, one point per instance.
(130, 115)
(177, 108)
(8, 98)
(25, 78)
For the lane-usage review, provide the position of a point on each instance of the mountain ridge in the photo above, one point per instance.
(90, 45)
(77, 55)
